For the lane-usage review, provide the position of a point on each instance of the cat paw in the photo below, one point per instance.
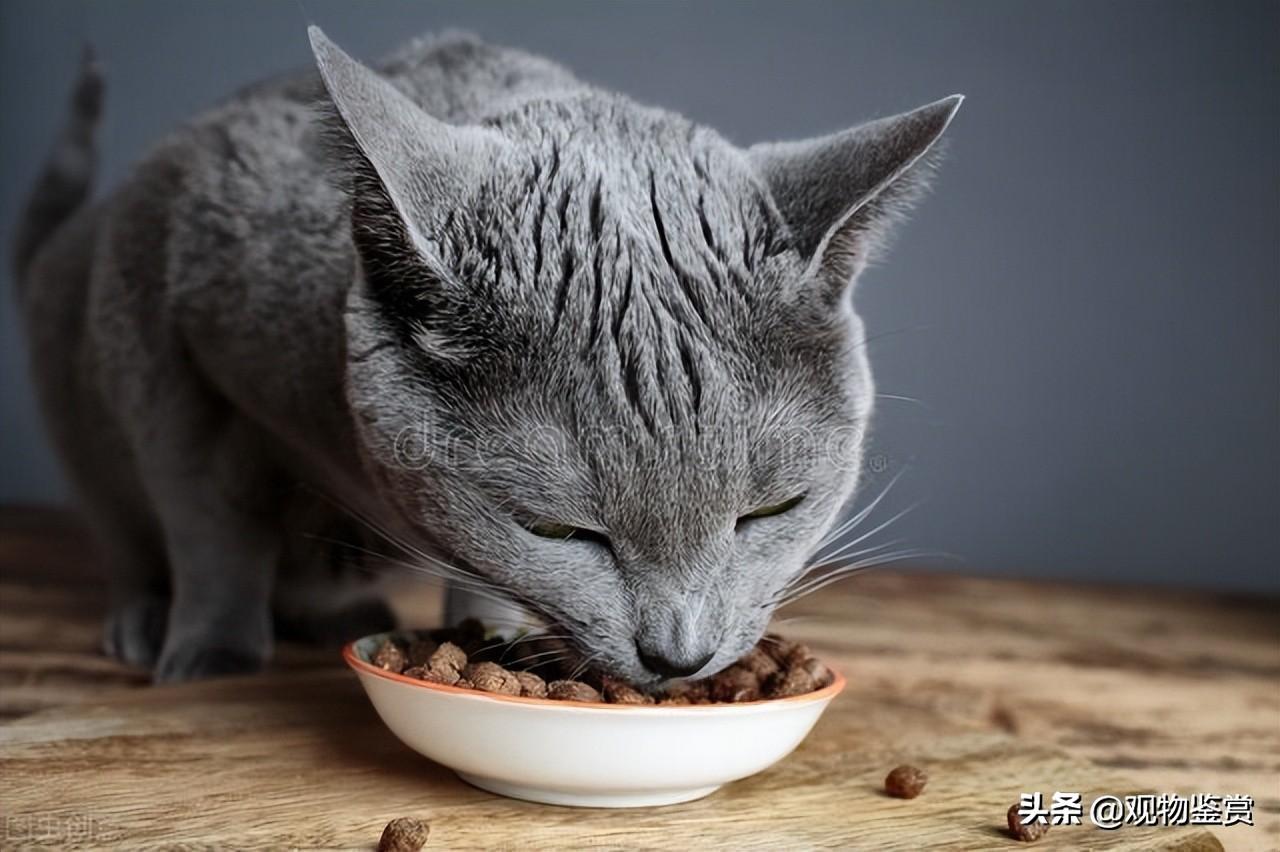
(195, 662)
(336, 627)
(134, 631)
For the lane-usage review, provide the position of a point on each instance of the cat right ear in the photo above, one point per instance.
(425, 166)
(840, 194)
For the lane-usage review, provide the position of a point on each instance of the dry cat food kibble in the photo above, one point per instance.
(404, 834)
(620, 692)
(389, 657)
(531, 686)
(572, 690)
(491, 677)
(905, 782)
(537, 667)
(1029, 832)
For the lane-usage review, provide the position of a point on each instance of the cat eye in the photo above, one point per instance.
(770, 511)
(564, 532)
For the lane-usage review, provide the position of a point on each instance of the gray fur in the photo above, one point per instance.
(474, 295)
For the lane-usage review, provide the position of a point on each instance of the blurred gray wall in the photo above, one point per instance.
(1086, 310)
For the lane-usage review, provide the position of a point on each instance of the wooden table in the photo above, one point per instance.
(997, 687)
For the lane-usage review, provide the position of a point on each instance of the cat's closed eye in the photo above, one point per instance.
(565, 532)
(771, 510)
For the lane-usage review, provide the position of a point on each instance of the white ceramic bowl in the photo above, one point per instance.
(589, 755)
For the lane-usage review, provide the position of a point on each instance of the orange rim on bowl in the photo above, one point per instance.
(353, 660)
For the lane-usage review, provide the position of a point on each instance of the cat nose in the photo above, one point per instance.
(667, 666)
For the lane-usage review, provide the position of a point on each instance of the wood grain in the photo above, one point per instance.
(996, 687)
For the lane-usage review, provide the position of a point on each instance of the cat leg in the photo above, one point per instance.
(128, 543)
(134, 629)
(218, 501)
(137, 580)
(222, 562)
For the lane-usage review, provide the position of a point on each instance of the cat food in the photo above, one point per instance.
(760, 663)
(491, 677)
(404, 834)
(736, 683)
(390, 657)
(688, 692)
(905, 782)
(572, 690)
(1029, 832)
(531, 686)
(448, 657)
(620, 692)
(541, 668)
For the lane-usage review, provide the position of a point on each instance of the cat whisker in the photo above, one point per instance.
(867, 341)
(900, 398)
(418, 553)
(378, 555)
(851, 523)
(816, 572)
(447, 577)
(544, 658)
(815, 580)
(845, 548)
(530, 636)
(792, 619)
(538, 654)
(821, 569)
(582, 666)
(404, 543)
(846, 568)
(845, 571)
(463, 577)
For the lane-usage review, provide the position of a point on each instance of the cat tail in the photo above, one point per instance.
(67, 177)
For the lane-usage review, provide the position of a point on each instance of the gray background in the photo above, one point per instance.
(1086, 309)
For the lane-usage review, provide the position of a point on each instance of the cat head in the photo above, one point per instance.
(607, 360)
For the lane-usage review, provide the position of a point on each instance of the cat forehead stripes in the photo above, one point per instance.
(643, 259)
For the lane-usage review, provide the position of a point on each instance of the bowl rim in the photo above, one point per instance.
(837, 685)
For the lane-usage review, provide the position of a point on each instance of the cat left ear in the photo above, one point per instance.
(424, 165)
(840, 194)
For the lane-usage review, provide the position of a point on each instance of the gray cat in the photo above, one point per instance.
(573, 353)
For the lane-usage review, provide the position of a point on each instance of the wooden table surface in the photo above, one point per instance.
(997, 687)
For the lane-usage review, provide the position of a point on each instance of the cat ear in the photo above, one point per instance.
(840, 194)
(424, 165)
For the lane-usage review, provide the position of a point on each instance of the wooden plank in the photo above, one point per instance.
(301, 761)
(990, 684)
(1178, 690)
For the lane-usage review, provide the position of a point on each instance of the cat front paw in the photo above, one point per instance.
(134, 630)
(196, 662)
